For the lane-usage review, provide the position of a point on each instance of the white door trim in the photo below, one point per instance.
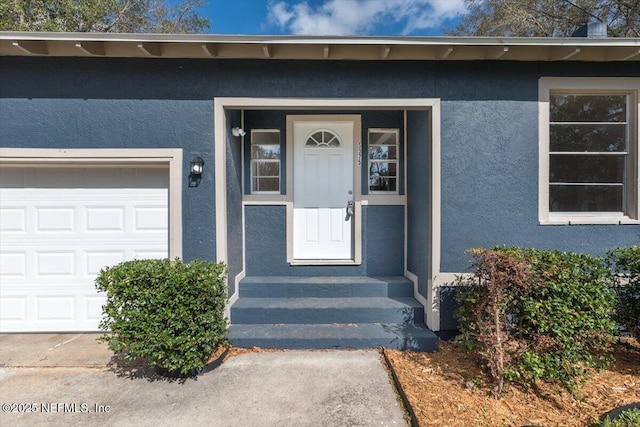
(432, 308)
(171, 157)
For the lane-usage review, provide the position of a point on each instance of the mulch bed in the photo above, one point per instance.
(446, 388)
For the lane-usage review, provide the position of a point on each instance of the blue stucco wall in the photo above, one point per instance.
(382, 244)
(418, 218)
(490, 186)
(489, 129)
(234, 200)
(126, 123)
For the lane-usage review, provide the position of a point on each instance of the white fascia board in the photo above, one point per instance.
(321, 40)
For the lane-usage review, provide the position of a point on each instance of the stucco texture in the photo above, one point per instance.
(127, 123)
(489, 129)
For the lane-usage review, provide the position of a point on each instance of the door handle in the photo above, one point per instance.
(349, 210)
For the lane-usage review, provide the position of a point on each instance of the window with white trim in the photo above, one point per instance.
(589, 158)
(384, 149)
(265, 161)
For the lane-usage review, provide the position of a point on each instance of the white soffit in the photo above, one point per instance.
(316, 47)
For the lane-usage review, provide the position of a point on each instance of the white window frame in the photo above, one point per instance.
(396, 160)
(569, 85)
(255, 161)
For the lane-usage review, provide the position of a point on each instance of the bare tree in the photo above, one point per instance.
(118, 16)
(547, 18)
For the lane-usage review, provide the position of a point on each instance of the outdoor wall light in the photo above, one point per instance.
(197, 165)
(238, 131)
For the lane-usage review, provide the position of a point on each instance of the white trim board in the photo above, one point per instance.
(588, 85)
(374, 48)
(171, 157)
(428, 104)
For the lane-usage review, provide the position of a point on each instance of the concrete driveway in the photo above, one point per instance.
(59, 379)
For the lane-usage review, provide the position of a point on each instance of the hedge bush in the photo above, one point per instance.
(541, 314)
(165, 311)
(626, 267)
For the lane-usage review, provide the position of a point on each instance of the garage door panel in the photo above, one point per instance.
(94, 261)
(93, 307)
(58, 311)
(13, 220)
(14, 309)
(58, 307)
(105, 219)
(13, 264)
(61, 228)
(59, 219)
(51, 264)
(151, 218)
(149, 255)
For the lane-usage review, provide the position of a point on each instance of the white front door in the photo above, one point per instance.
(323, 184)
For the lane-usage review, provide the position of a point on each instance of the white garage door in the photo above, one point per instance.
(60, 225)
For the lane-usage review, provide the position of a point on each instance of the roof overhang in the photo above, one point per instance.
(318, 47)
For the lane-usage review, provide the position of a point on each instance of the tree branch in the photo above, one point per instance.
(120, 15)
(584, 10)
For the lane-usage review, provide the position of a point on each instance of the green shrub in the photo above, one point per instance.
(630, 418)
(486, 302)
(167, 312)
(626, 268)
(552, 318)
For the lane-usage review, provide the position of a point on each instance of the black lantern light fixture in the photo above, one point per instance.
(197, 166)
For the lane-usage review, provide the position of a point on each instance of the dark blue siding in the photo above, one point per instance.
(126, 123)
(489, 129)
(382, 242)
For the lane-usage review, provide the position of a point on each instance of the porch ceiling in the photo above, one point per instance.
(318, 48)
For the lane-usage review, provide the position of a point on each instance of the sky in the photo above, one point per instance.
(333, 17)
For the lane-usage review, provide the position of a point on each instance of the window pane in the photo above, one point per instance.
(383, 152)
(588, 108)
(265, 151)
(585, 137)
(585, 198)
(382, 169)
(383, 138)
(323, 139)
(265, 169)
(268, 138)
(382, 184)
(266, 184)
(589, 168)
(316, 138)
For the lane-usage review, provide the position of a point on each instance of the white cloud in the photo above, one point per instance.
(350, 17)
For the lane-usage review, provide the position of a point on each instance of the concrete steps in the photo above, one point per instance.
(325, 287)
(335, 336)
(329, 312)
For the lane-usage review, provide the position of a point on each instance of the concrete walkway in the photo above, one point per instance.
(67, 375)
